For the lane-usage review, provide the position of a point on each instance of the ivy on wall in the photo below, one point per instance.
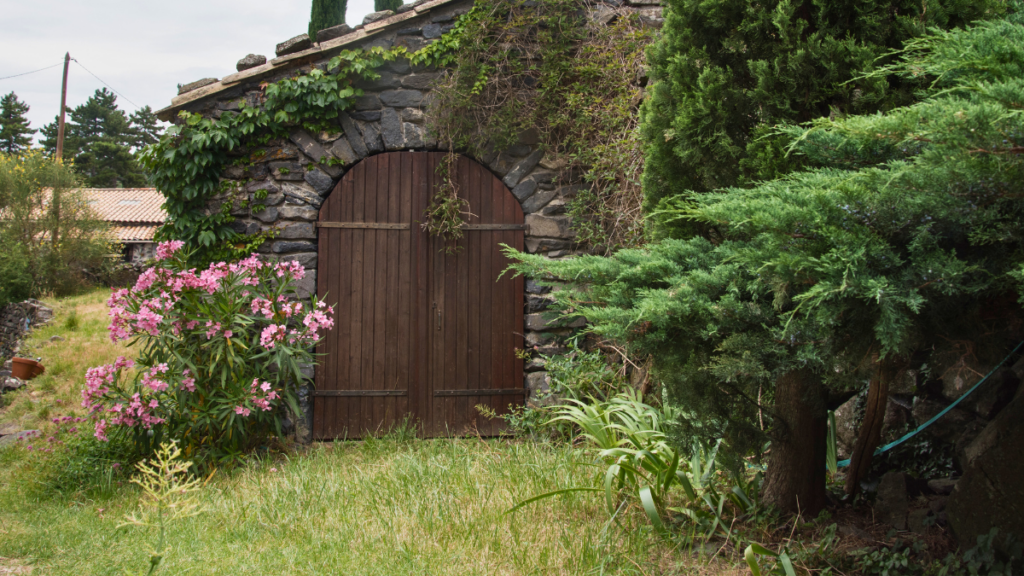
(547, 67)
(186, 164)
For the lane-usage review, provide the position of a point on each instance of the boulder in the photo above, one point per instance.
(991, 494)
(847, 426)
(891, 501)
(10, 383)
(949, 427)
(251, 61)
(333, 32)
(293, 45)
(375, 16)
(183, 88)
(942, 486)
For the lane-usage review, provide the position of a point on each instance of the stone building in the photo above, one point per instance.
(302, 172)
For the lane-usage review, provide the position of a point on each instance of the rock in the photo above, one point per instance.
(250, 61)
(891, 501)
(404, 8)
(554, 208)
(296, 230)
(9, 428)
(306, 259)
(310, 147)
(401, 98)
(413, 135)
(301, 194)
(298, 213)
(385, 81)
(990, 494)
(375, 16)
(533, 287)
(56, 338)
(548, 226)
(391, 129)
(420, 81)
(431, 31)
(333, 32)
(293, 45)
(368, 116)
(286, 171)
(268, 214)
(11, 383)
(537, 303)
(942, 486)
(917, 521)
(183, 88)
(524, 189)
(320, 181)
(282, 247)
(947, 428)
(342, 149)
(24, 436)
(523, 168)
(355, 138)
(541, 322)
(539, 385)
(538, 201)
(414, 115)
(371, 136)
(535, 364)
(367, 102)
(601, 14)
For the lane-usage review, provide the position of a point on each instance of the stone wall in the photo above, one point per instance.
(298, 172)
(15, 321)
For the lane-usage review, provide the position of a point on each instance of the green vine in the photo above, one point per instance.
(515, 66)
(444, 215)
(187, 163)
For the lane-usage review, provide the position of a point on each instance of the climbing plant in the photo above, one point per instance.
(550, 74)
(187, 162)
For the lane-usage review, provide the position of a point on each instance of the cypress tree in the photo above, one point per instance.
(902, 240)
(325, 14)
(725, 72)
(15, 134)
(379, 5)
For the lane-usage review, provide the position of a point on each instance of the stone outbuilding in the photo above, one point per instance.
(319, 191)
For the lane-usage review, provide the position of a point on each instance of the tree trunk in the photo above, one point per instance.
(871, 428)
(795, 480)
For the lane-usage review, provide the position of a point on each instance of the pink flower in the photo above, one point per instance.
(228, 333)
(244, 412)
(101, 430)
(272, 335)
(189, 384)
(165, 250)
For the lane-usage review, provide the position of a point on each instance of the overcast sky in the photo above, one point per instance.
(142, 48)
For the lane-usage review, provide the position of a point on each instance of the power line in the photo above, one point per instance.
(105, 84)
(33, 72)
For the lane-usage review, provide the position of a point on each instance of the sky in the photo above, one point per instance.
(142, 48)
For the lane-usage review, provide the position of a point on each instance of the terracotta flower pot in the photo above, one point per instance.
(25, 368)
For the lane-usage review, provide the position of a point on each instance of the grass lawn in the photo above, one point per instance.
(396, 505)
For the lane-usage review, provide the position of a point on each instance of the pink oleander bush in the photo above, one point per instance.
(219, 354)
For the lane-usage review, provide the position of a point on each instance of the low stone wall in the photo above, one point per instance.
(16, 320)
(298, 172)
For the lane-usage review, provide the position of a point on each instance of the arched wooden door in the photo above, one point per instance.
(419, 333)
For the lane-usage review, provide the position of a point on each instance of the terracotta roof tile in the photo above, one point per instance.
(134, 205)
(134, 233)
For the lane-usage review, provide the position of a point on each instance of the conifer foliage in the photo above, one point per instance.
(726, 72)
(324, 14)
(15, 134)
(905, 238)
(379, 5)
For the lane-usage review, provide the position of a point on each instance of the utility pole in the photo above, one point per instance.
(63, 104)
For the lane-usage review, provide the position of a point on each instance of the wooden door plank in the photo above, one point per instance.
(474, 312)
(485, 240)
(420, 312)
(380, 285)
(392, 336)
(462, 408)
(358, 304)
(403, 354)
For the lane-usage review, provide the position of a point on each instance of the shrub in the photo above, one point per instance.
(219, 353)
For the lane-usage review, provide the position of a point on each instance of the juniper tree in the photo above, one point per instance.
(379, 5)
(725, 72)
(15, 134)
(324, 14)
(908, 235)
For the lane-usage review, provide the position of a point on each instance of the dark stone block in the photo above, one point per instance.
(367, 102)
(183, 88)
(419, 81)
(371, 136)
(410, 32)
(333, 32)
(251, 61)
(432, 31)
(385, 81)
(391, 129)
(355, 138)
(533, 287)
(366, 116)
(320, 181)
(293, 45)
(285, 246)
(401, 98)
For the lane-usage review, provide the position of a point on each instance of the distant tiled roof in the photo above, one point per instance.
(134, 233)
(127, 206)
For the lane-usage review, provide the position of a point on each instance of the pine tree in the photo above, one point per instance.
(100, 139)
(15, 134)
(379, 5)
(325, 14)
(725, 72)
(905, 238)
